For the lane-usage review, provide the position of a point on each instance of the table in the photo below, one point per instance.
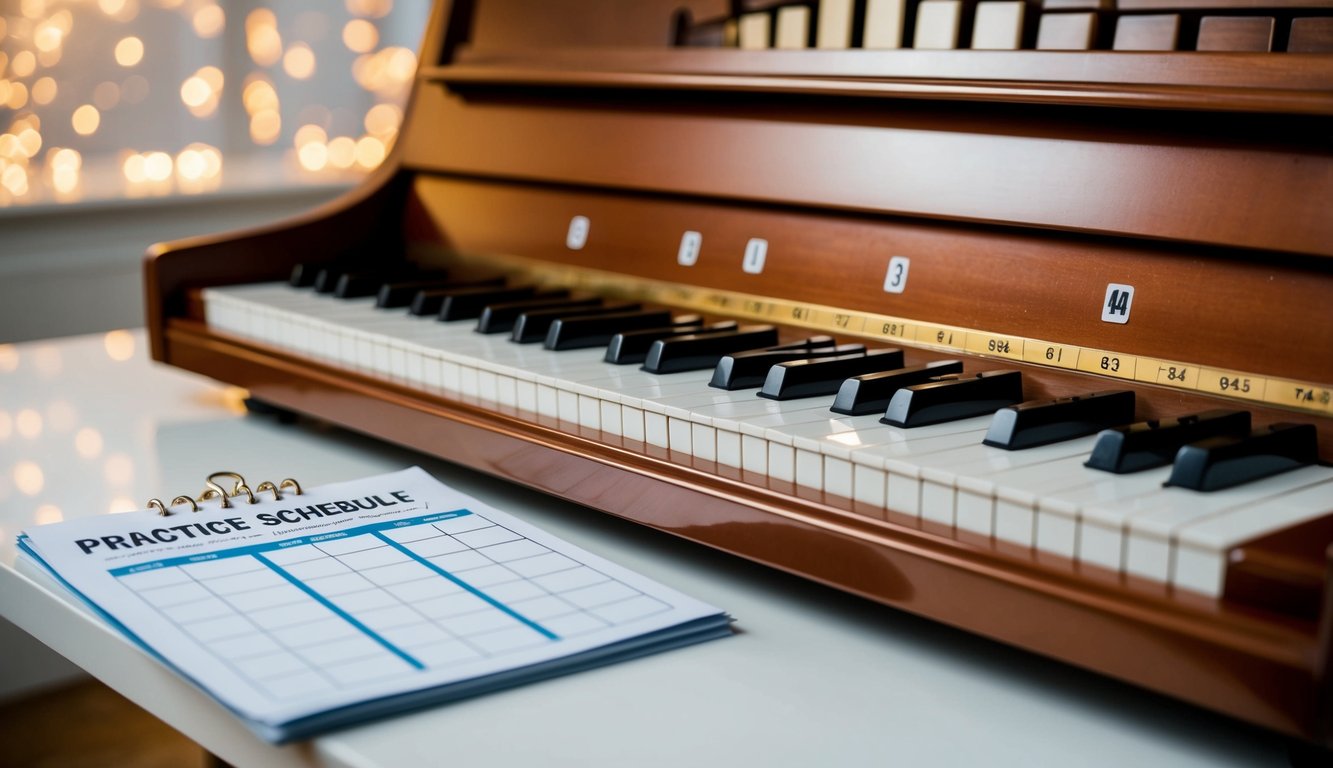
(812, 676)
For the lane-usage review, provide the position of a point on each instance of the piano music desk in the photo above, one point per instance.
(812, 677)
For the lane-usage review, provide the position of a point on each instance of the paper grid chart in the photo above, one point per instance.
(322, 613)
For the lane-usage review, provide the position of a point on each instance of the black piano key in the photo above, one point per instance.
(532, 326)
(1223, 462)
(871, 392)
(304, 274)
(632, 346)
(747, 369)
(430, 301)
(356, 284)
(955, 396)
(499, 318)
(399, 293)
(1041, 422)
(698, 351)
(1149, 444)
(597, 330)
(326, 279)
(467, 304)
(824, 375)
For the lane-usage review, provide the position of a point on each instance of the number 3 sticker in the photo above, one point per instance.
(1116, 305)
(895, 280)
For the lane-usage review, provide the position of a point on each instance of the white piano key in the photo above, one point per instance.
(793, 27)
(547, 403)
(655, 429)
(631, 422)
(590, 412)
(680, 435)
(833, 29)
(869, 485)
(970, 464)
(525, 395)
(1016, 494)
(754, 454)
(1059, 510)
(728, 447)
(876, 444)
(506, 390)
(1146, 524)
(754, 31)
(979, 472)
(567, 406)
(884, 24)
(703, 441)
(937, 23)
(610, 417)
(416, 365)
(449, 376)
(998, 24)
(781, 462)
(1200, 548)
(469, 382)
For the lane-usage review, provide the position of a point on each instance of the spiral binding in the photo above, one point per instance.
(213, 490)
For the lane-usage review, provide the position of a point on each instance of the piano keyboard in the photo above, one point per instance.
(1041, 498)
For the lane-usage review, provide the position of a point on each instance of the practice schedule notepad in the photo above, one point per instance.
(360, 599)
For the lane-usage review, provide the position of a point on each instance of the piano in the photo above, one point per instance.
(1063, 267)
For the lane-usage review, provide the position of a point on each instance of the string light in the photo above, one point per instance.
(50, 68)
(299, 61)
(129, 51)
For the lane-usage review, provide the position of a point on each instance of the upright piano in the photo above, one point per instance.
(1013, 315)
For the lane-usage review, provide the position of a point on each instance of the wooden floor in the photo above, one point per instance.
(87, 725)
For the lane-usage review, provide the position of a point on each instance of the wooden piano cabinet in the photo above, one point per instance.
(1021, 184)
(1251, 664)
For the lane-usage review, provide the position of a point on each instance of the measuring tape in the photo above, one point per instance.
(1239, 385)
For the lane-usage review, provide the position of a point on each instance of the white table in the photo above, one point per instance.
(812, 677)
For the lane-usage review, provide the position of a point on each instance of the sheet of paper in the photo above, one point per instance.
(351, 592)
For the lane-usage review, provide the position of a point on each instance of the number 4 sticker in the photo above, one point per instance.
(1116, 305)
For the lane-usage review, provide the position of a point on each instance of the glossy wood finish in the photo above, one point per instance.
(1210, 5)
(904, 161)
(1236, 33)
(1277, 84)
(1031, 284)
(1020, 183)
(1312, 34)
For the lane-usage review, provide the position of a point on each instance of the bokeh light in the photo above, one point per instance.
(88, 443)
(86, 119)
(28, 478)
(129, 51)
(119, 345)
(107, 97)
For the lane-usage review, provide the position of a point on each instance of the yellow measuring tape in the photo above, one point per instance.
(1239, 385)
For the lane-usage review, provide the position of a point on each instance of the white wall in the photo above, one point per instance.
(77, 268)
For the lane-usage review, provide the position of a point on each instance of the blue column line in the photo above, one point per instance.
(344, 615)
(548, 634)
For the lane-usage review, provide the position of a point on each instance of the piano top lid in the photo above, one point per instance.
(1299, 84)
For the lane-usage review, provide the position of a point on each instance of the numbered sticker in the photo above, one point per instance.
(577, 237)
(1119, 299)
(690, 243)
(756, 251)
(895, 280)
